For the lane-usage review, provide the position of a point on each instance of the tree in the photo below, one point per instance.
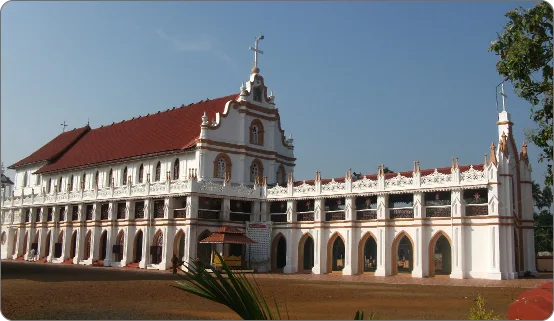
(525, 50)
(387, 170)
(542, 200)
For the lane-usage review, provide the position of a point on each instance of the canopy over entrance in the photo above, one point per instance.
(228, 235)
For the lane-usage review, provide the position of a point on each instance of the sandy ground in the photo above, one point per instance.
(47, 291)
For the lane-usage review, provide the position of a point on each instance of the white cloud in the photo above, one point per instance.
(204, 44)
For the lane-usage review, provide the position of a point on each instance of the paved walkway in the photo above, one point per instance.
(441, 280)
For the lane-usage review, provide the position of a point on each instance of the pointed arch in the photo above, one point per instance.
(276, 252)
(124, 178)
(394, 252)
(87, 247)
(25, 243)
(431, 251)
(222, 165)
(176, 170)
(96, 178)
(25, 179)
(361, 248)
(72, 250)
(281, 175)
(309, 258)
(204, 250)
(84, 181)
(59, 185)
(102, 249)
(158, 173)
(49, 186)
(256, 170)
(141, 173)
(110, 178)
(48, 237)
(179, 244)
(330, 252)
(119, 246)
(256, 132)
(137, 246)
(71, 183)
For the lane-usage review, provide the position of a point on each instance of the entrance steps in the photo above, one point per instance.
(43, 260)
(68, 261)
(20, 258)
(132, 266)
(98, 263)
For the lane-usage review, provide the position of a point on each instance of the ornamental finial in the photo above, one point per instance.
(485, 163)
(523, 154)
(493, 154)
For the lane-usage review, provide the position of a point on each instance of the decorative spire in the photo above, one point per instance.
(457, 165)
(257, 51)
(204, 119)
(453, 163)
(243, 91)
(485, 163)
(418, 169)
(493, 154)
(290, 179)
(523, 154)
(264, 181)
(415, 166)
(503, 98)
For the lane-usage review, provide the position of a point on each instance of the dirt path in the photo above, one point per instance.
(46, 291)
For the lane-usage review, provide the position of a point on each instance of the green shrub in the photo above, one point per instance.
(478, 312)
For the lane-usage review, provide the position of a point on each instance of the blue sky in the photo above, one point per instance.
(357, 83)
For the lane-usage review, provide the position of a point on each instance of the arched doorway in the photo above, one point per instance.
(47, 250)
(156, 248)
(103, 245)
(25, 243)
(34, 245)
(440, 255)
(119, 248)
(14, 247)
(306, 254)
(278, 253)
(402, 254)
(137, 246)
(367, 253)
(179, 245)
(58, 246)
(73, 245)
(335, 253)
(204, 250)
(88, 241)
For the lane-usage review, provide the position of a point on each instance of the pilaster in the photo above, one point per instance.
(292, 250)
(383, 242)
(320, 240)
(458, 237)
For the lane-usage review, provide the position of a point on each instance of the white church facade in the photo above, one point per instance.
(136, 192)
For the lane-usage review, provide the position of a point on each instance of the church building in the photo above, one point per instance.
(137, 192)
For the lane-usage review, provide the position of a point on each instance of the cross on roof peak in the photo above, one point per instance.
(257, 51)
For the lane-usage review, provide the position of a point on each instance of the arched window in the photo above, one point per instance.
(96, 177)
(38, 180)
(60, 185)
(176, 169)
(281, 175)
(49, 187)
(71, 183)
(257, 94)
(256, 132)
(158, 172)
(141, 173)
(256, 170)
(222, 165)
(84, 181)
(125, 176)
(110, 178)
(25, 179)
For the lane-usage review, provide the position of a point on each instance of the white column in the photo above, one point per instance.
(96, 234)
(529, 257)
(383, 243)
(147, 237)
(458, 236)
(320, 238)
(167, 249)
(421, 264)
(190, 243)
(493, 261)
(292, 250)
(351, 248)
(81, 233)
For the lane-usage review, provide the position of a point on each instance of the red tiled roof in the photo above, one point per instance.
(229, 230)
(53, 148)
(175, 129)
(228, 238)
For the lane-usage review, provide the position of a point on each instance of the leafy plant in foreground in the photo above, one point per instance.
(478, 312)
(233, 290)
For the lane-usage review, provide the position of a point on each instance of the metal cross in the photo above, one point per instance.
(503, 96)
(64, 126)
(256, 50)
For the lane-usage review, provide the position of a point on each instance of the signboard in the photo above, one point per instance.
(261, 233)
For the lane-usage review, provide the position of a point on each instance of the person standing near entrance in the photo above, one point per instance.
(174, 261)
(32, 255)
